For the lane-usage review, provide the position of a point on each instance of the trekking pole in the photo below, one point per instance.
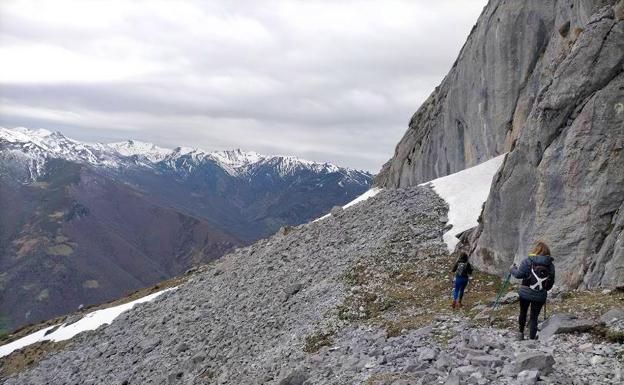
(496, 303)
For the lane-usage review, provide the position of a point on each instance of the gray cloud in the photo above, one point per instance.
(326, 80)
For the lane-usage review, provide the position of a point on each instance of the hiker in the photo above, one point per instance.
(537, 272)
(462, 270)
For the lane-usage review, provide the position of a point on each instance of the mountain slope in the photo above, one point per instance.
(87, 223)
(76, 237)
(361, 297)
(248, 194)
(542, 81)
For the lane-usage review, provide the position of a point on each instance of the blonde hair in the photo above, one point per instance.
(540, 248)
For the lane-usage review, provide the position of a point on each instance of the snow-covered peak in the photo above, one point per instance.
(137, 148)
(24, 135)
(40, 145)
(236, 158)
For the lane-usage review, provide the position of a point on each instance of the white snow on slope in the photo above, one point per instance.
(135, 147)
(465, 191)
(90, 321)
(368, 194)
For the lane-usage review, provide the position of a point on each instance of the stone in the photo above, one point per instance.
(293, 289)
(427, 354)
(509, 298)
(296, 377)
(452, 380)
(182, 347)
(485, 360)
(612, 316)
(597, 360)
(565, 323)
(528, 377)
(475, 341)
(588, 347)
(535, 361)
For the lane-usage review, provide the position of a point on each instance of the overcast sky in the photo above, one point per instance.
(327, 80)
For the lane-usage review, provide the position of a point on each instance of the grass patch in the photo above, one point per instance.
(317, 340)
(60, 250)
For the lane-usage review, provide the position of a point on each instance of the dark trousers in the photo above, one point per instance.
(536, 307)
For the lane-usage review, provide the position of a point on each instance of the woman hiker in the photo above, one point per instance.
(537, 273)
(462, 270)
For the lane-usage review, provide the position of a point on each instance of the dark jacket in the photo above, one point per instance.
(467, 270)
(524, 272)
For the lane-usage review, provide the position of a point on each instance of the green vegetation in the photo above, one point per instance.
(3, 327)
(317, 340)
(43, 295)
(91, 284)
(62, 250)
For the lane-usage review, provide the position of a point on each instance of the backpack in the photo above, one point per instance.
(462, 269)
(539, 277)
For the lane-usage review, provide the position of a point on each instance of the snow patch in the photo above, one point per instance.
(90, 321)
(367, 195)
(465, 191)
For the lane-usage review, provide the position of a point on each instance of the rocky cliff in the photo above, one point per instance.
(541, 80)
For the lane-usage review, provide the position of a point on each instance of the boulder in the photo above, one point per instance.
(565, 323)
(612, 316)
(535, 361)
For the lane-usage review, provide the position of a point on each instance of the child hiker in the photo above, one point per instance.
(462, 270)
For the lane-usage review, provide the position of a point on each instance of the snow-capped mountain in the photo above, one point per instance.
(92, 221)
(37, 146)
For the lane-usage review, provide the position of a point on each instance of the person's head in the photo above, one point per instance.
(540, 248)
(463, 257)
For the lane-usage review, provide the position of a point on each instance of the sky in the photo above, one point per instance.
(326, 80)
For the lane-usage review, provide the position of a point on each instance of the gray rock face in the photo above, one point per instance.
(541, 80)
(481, 106)
(564, 180)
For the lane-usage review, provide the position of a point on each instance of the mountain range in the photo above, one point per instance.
(86, 223)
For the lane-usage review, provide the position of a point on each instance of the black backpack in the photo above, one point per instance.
(539, 277)
(462, 269)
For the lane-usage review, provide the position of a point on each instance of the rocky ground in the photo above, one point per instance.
(359, 298)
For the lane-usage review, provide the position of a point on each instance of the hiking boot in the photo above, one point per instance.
(519, 336)
(454, 305)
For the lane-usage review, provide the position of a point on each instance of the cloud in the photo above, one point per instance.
(328, 80)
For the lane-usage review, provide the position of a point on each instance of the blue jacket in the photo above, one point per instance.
(524, 272)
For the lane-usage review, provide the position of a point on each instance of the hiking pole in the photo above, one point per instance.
(496, 303)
